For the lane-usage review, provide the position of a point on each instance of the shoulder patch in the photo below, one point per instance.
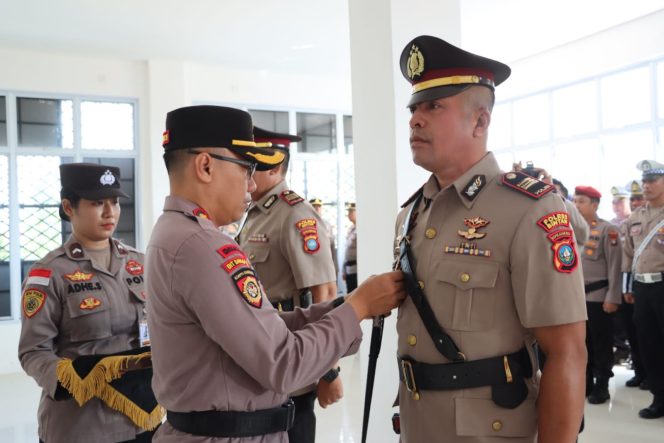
(227, 250)
(308, 228)
(553, 220)
(39, 276)
(413, 197)
(291, 197)
(32, 302)
(474, 186)
(526, 184)
(134, 268)
(270, 201)
(248, 286)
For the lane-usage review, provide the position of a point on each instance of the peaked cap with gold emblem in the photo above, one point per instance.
(278, 140)
(207, 126)
(89, 181)
(437, 69)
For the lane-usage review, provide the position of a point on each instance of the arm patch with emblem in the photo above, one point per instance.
(309, 231)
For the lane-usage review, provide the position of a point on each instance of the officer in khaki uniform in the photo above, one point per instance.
(317, 204)
(84, 298)
(350, 256)
(289, 246)
(643, 267)
(601, 258)
(224, 359)
(636, 199)
(620, 205)
(491, 267)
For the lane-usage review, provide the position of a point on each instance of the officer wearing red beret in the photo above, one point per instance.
(601, 274)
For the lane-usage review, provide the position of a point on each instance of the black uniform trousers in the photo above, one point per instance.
(626, 311)
(351, 283)
(649, 319)
(304, 424)
(599, 341)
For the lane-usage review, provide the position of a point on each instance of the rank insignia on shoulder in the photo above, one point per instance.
(291, 197)
(249, 287)
(526, 184)
(270, 201)
(32, 301)
(78, 276)
(227, 250)
(309, 231)
(474, 187)
(39, 277)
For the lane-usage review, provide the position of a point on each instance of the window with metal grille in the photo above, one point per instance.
(40, 134)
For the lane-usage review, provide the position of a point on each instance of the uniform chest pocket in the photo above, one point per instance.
(470, 289)
(259, 255)
(89, 314)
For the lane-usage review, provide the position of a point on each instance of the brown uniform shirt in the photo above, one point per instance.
(602, 255)
(516, 279)
(637, 227)
(351, 251)
(288, 244)
(217, 343)
(72, 308)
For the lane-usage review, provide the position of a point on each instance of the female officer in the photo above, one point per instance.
(83, 300)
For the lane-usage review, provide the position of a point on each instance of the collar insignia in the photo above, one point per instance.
(474, 187)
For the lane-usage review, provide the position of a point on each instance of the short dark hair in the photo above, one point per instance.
(173, 159)
(284, 164)
(74, 199)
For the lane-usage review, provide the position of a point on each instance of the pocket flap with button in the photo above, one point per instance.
(467, 275)
(482, 417)
(90, 319)
(259, 255)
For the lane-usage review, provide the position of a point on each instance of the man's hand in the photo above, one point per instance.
(378, 295)
(609, 308)
(629, 298)
(329, 393)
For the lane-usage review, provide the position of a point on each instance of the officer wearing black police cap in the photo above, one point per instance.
(84, 301)
(491, 266)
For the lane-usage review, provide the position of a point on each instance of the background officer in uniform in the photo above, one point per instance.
(82, 300)
(317, 204)
(289, 246)
(635, 196)
(224, 359)
(601, 257)
(495, 256)
(349, 271)
(643, 265)
(620, 205)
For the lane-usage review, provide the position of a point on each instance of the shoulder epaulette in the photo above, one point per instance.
(291, 197)
(122, 248)
(413, 197)
(59, 252)
(526, 184)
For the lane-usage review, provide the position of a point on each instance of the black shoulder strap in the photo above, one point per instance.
(441, 340)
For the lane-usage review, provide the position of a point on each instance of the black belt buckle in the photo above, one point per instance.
(409, 378)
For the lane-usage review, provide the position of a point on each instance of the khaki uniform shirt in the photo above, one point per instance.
(637, 228)
(288, 245)
(72, 307)
(579, 224)
(217, 343)
(518, 272)
(602, 255)
(351, 251)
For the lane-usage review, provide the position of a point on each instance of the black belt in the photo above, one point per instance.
(594, 286)
(505, 374)
(350, 263)
(306, 300)
(234, 424)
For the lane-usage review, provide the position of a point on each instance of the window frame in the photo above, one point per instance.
(13, 151)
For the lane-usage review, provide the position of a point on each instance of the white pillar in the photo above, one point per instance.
(385, 174)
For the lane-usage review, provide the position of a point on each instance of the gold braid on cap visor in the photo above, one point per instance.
(273, 159)
(454, 80)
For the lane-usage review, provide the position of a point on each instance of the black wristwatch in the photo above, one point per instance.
(331, 375)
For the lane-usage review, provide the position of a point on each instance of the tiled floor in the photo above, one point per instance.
(613, 422)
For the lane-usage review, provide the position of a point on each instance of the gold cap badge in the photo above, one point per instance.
(415, 62)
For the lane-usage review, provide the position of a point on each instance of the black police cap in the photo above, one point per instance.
(438, 69)
(90, 181)
(209, 126)
(278, 140)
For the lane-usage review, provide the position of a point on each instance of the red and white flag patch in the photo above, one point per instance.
(39, 277)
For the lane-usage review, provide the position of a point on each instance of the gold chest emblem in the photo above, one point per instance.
(473, 224)
(415, 62)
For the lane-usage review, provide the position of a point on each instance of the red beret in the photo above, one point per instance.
(588, 191)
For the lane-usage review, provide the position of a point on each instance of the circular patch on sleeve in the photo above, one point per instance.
(311, 245)
(32, 301)
(564, 258)
(249, 287)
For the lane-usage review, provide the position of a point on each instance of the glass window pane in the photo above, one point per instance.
(575, 110)
(126, 229)
(625, 98)
(39, 200)
(45, 123)
(107, 126)
(619, 163)
(531, 119)
(5, 303)
(578, 163)
(348, 133)
(505, 160)
(271, 120)
(660, 90)
(500, 130)
(318, 132)
(3, 121)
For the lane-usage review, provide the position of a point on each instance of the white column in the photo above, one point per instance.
(385, 174)
(167, 91)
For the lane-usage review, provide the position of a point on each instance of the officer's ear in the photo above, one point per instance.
(203, 165)
(482, 121)
(67, 207)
